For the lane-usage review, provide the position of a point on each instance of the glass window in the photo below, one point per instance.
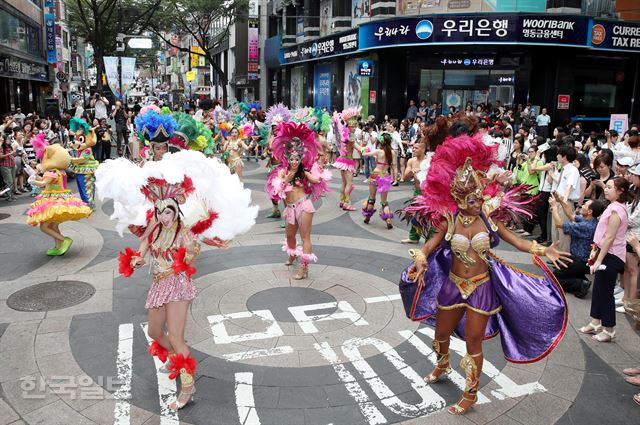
(466, 78)
(430, 85)
(65, 39)
(18, 35)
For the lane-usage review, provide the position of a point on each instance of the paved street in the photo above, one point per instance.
(336, 348)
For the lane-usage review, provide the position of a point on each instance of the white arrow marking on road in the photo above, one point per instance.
(166, 389)
(431, 401)
(122, 410)
(254, 354)
(508, 388)
(345, 311)
(368, 409)
(244, 399)
(425, 350)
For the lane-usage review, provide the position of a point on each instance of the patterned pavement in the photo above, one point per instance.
(334, 349)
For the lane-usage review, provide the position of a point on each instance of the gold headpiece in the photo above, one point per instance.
(467, 182)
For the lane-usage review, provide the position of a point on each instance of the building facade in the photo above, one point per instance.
(579, 59)
(24, 74)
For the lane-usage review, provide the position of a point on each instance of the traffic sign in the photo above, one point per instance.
(61, 76)
(191, 75)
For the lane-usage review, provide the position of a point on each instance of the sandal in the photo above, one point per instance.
(590, 328)
(604, 336)
(631, 371)
(349, 207)
(457, 409)
(636, 398)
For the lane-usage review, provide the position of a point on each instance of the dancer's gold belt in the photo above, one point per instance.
(466, 286)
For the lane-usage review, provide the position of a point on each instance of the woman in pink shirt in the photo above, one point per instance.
(608, 260)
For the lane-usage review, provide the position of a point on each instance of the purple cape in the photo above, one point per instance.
(533, 318)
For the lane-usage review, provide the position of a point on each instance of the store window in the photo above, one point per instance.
(17, 34)
(431, 85)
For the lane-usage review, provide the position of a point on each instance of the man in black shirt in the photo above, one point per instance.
(120, 116)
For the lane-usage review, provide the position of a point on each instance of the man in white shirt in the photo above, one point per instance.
(100, 104)
(19, 117)
(79, 109)
(542, 122)
(396, 146)
(568, 190)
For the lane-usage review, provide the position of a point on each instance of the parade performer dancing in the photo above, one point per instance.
(276, 115)
(55, 204)
(380, 180)
(468, 289)
(84, 165)
(417, 167)
(184, 200)
(298, 181)
(234, 145)
(345, 138)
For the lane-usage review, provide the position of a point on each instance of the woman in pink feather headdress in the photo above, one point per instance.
(298, 181)
(380, 180)
(457, 284)
(344, 126)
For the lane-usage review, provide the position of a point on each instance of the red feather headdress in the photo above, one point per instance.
(159, 190)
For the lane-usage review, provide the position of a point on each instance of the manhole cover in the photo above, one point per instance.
(51, 295)
(278, 301)
(3, 216)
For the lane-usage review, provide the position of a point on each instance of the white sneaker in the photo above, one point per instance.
(620, 309)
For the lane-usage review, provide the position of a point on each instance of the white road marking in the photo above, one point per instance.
(244, 399)
(368, 409)
(373, 300)
(122, 410)
(220, 335)
(508, 388)
(431, 401)
(345, 311)
(427, 351)
(254, 354)
(166, 389)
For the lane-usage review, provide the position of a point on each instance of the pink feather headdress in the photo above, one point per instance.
(39, 143)
(351, 115)
(285, 143)
(148, 108)
(277, 114)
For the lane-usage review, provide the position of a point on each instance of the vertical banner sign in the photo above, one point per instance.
(111, 70)
(254, 48)
(50, 36)
(619, 123)
(322, 86)
(128, 73)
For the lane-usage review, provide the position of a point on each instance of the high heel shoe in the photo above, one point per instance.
(290, 261)
(177, 405)
(303, 273)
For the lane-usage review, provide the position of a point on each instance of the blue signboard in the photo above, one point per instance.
(615, 35)
(322, 86)
(50, 36)
(365, 68)
(478, 29)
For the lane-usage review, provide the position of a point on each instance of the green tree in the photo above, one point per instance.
(99, 21)
(206, 21)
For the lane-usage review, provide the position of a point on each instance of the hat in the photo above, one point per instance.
(635, 170)
(625, 161)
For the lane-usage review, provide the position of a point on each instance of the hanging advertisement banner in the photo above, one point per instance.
(128, 74)
(322, 86)
(326, 7)
(297, 82)
(352, 84)
(111, 71)
(253, 66)
(360, 11)
(50, 36)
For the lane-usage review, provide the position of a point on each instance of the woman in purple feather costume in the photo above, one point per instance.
(380, 180)
(456, 280)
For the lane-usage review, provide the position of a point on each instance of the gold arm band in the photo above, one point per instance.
(537, 249)
(418, 256)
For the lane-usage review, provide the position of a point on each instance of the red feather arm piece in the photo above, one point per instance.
(179, 265)
(139, 231)
(202, 225)
(124, 261)
(179, 362)
(515, 204)
(155, 349)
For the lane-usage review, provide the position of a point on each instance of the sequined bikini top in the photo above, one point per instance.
(481, 243)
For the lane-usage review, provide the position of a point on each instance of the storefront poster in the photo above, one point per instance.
(297, 81)
(326, 7)
(352, 84)
(480, 28)
(50, 36)
(615, 35)
(360, 11)
(322, 86)
(334, 45)
(619, 122)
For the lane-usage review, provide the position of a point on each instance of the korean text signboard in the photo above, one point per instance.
(50, 36)
(334, 45)
(322, 86)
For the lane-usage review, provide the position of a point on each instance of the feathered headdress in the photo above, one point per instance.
(277, 114)
(155, 127)
(298, 139)
(254, 105)
(351, 115)
(220, 115)
(148, 108)
(39, 143)
(159, 190)
(304, 116)
(77, 124)
(340, 132)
